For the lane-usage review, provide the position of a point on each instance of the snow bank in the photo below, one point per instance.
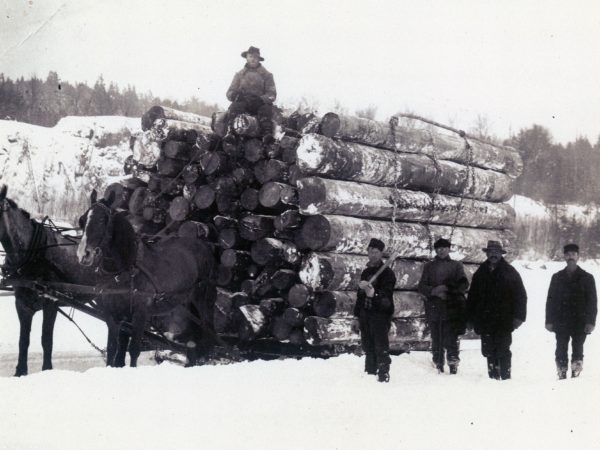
(543, 230)
(51, 171)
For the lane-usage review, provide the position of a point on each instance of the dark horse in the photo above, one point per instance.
(36, 252)
(157, 278)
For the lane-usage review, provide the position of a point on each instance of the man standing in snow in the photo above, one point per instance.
(374, 308)
(444, 283)
(496, 306)
(253, 91)
(571, 310)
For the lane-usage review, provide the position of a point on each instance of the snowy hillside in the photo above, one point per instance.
(543, 230)
(51, 171)
(304, 404)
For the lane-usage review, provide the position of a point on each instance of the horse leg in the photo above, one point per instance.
(25, 316)
(111, 343)
(203, 306)
(123, 342)
(138, 324)
(49, 310)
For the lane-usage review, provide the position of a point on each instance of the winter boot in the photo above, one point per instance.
(383, 375)
(370, 364)
(453, 366)
(561, 370)
(493, 369)
(576, 368)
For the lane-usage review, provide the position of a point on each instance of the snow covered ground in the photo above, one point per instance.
(301, 404)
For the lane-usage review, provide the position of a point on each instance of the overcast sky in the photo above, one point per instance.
(514, 62)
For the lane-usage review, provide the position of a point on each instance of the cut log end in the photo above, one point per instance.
(330, 124)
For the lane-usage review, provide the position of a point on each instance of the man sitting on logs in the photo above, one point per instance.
(445, 284)
(253, 91)
(374, 308)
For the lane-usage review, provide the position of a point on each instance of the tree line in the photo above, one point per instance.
(553, 173)
(45, 102)
(556, 173)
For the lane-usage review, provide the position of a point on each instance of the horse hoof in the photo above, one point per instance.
(20, 372)
(47, 367)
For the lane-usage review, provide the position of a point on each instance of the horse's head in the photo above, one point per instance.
(14, 222)
(97, 223)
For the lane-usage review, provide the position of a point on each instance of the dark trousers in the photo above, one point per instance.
(257, 107)
(562, 347)
(444, 336)
(374, 331)
(496, 348)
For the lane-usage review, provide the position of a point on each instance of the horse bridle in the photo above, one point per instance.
(109, 226)
(32, 250)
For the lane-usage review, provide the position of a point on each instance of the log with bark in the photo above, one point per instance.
(322, 331)
(342, 234)
(253, 322)
(278, 195)
(179, 209)
(175, 130)
(271, 170)
(321, 156)
(270, 251)
(254, 226)
(146, 150)
(432, 141)
(406, 303)
(340, 272)
(300, 295)
(165, 112)
(288, 220)
(347, 198)
(195, 230)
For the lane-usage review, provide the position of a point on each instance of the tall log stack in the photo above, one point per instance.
(291, 220)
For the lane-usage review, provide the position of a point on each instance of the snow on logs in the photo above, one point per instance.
(323, 196)
(321, 156)
(393, 136)
(291, 220)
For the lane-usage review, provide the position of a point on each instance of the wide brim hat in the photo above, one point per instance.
(254, 50)
(494, 245)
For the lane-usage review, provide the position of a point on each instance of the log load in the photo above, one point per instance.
(164, 112)
(342, 234)
(291, 239)
(346, 198)
(321, 156)
(339, 272)
(431, 141)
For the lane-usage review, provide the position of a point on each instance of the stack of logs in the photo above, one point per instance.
(291, 220)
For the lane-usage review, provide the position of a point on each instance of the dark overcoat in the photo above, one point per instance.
(383, 299)
(253, 81)
(445, 271)
(572, 301)
(496, 298)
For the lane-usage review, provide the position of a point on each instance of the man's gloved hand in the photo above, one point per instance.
(589, 328)
(253, 102)
(517, 323)
(550, 326)
(367, 287)
(440, 291)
